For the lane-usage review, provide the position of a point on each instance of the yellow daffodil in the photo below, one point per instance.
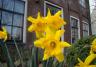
(55, 21)
(52, 45)
(87, 61)
(3, 34)
(93, 46)
(38, 25)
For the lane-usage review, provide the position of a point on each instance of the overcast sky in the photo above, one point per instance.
(92, 4)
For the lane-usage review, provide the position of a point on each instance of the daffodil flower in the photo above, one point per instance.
(52, 45)
(87, 61)
(38, 25)
(3, 34)
(93, 46)
(54, 21)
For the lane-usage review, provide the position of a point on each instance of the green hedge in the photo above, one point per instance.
(80, 49)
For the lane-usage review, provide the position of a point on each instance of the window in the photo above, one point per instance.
(74, 29)
(85, 29)
(12, 17)
(53, 8)
(82, 2)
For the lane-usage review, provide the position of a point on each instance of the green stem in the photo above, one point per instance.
(21, 60)
(9, 59)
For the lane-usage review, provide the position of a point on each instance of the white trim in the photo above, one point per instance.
(25, 21)
(46, 2)
(88, 26)
(62, 38)
(78, 27)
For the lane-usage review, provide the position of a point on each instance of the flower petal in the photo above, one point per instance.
(91, 52)
(60, 57)
(39, 17)
(4, 29)
(56, 51)
(92, 66)
(31, 28)
(58, 13)
(39, 34)
(93, 47)
(90, 58)
(39, 43)
(49, 13)
(3, 34)
(80, 61)
(59, 33)
(49, 32)
(46, 54)
(94, 42)
(64, 44)
(31, 19)
(77, 66)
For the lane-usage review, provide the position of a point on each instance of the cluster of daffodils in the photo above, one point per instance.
(48, 34)
(3, 34)
(90, 58)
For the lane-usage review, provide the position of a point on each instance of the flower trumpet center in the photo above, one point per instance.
(52, 44)
(39, 24)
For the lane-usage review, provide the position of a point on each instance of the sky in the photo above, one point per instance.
(92, 4)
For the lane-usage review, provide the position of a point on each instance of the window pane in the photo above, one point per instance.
(17, 33)
(0, 16)
(18, 20)
(73, 32)
(52, 8)
(76, 31)
(73, 40)
(6, 18)
(86, 27)
(8, 4)
(83, 26)
(82, 2)
(0, 20)
(0, 3)
(85, 33)
(74, 28)
(74, 22)
(19, 6)
(8, 28)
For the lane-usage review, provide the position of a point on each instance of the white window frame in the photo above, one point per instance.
(25, 21)
(46, 2)
(78, 27)
(88, 26)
